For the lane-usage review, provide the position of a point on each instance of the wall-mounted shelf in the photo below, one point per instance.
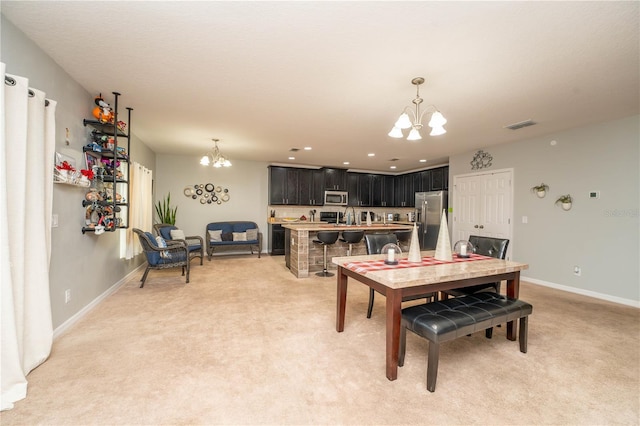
(106, 203)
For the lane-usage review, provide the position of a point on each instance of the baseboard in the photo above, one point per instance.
(589, 293)
(62, 328)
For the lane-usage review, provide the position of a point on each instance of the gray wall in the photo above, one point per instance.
(247, 182)
(88, 265)
(599, 235)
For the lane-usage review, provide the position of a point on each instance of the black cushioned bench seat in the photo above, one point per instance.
(449, 319)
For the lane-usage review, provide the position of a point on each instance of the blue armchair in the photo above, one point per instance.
(194, 243)
(174, 255)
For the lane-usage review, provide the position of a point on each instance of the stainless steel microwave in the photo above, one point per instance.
(336, 198)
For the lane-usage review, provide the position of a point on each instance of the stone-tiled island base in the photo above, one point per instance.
(304, 258)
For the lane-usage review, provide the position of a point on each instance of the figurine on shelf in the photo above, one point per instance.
(102, 112)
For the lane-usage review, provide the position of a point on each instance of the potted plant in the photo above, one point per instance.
(540, 190)
(166, 213)
(565, 201)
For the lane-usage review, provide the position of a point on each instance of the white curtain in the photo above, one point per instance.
(141, 208)
(27, 144)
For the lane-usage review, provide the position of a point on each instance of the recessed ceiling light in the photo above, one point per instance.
(392, 167)
(292, 158)
(423, 161)
(371, 154)
(346, 163)
(307, 148)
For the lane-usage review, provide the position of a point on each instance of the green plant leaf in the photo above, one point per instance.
(166, 213)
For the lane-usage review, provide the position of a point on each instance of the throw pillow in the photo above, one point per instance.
(163, 244)
(227, 236)
(252, 234)
(177, 234)
(239, 236)
(215, 235)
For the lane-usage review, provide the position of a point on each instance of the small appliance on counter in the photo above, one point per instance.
(332, 217)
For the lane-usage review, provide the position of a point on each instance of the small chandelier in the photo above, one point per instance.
(215, 158)
(404, 122)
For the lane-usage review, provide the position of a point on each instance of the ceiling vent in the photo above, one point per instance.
(394, 159)
(520, 125)
(294, 150)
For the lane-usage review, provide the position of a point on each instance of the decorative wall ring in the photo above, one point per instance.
(209, 187)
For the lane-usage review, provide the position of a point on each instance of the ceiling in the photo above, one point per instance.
(266, 77)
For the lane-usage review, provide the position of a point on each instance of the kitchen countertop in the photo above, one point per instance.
(324, 226)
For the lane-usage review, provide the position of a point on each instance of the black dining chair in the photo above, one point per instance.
(374, 244)
(487, 246)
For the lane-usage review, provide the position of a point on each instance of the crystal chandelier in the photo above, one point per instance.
(215, 158)
(404, 122)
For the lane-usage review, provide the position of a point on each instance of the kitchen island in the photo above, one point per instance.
(303, 257)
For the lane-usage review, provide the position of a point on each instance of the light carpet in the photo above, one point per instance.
(245, 342)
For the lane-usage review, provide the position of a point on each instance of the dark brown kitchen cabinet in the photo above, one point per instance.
(404, 193)
(283, 185)
(382, 188)
(437, 179)
(335, 179)
(311, 187)
(359, 188)
(445, 178)
(276, 239)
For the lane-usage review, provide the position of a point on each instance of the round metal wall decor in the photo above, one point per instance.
(481, 160)
(207, 193)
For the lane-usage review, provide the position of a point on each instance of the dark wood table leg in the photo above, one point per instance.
(513, 291)
(394, 315)
(342, 298)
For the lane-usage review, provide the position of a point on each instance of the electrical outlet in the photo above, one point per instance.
(54, 220)
(577, 271)
(67, 296)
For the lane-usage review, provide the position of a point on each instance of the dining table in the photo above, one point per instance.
(406, 280)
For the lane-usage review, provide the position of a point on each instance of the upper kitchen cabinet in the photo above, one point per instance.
(382, 189)
(404, 193)
(437, 179)
(283, 185)
(311, 186)
(335, 179)
(445, 178)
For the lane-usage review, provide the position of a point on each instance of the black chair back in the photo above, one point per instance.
(489, 246)
(375, 242)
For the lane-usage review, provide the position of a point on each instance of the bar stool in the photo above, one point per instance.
(351, 237)
(325, 238)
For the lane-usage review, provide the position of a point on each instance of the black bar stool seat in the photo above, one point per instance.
(325, 238)
(351, 237)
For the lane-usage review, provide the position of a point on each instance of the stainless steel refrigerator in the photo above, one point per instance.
(429, 207)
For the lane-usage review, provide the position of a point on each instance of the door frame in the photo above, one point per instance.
(452, 199)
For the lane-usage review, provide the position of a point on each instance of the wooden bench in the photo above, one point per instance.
(449, 319)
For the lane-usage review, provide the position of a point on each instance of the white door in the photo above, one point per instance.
(483, 205)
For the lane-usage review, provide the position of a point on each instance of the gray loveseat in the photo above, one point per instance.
(233, 234)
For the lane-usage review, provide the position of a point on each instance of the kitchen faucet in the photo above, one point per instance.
(352, 211)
